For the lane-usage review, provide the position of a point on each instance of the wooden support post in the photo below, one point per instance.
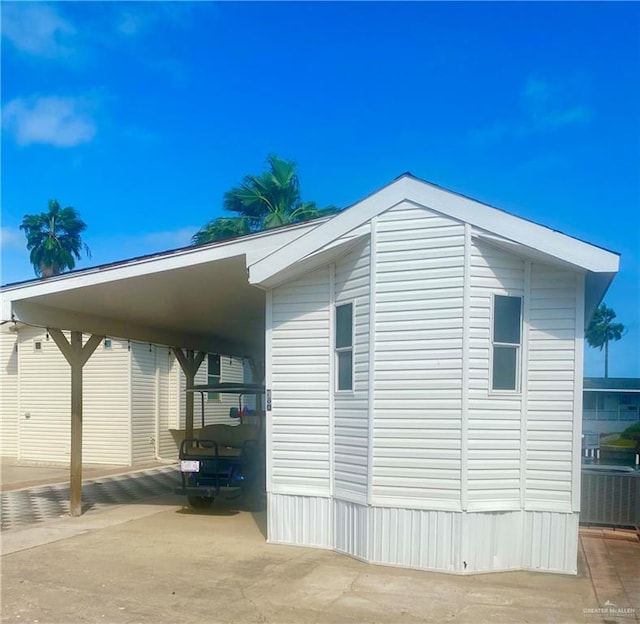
(77, 356)
(189, 363)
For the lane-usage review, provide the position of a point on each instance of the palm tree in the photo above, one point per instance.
(602, 330)
(53, 239)
(261, 202)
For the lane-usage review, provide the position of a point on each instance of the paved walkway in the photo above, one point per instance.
(168, 564)
(613, 560)
(35, 518)
(26, 506)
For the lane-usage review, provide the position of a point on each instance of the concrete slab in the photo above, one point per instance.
(17, 474)
(174, 565)
(613, 559)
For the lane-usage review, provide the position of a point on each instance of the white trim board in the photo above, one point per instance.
(407, 188)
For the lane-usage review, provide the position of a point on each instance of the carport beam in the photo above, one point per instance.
(189, 363)
(77, 355)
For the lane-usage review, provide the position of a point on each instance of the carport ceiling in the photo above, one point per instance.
(209, 306)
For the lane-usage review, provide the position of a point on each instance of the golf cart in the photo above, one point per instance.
(224, 459)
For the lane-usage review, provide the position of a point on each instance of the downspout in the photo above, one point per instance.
(157, 431)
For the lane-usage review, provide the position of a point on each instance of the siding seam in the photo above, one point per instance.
(577, 394)
(268, 372)
(130, 400)
(156, 366)
(525, 381)
(373, 243)
(332, 398)
(464, 424)
(19, 450)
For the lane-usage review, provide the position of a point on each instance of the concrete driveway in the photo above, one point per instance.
(157, 562)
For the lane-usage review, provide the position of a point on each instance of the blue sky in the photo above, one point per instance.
(141, 115)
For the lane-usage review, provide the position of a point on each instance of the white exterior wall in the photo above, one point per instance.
(553, 431)
(167, 395)
(45, 396)
(143, 403)
(129, 405)
(418, 359)
(106, 424)
(9, 406)
(298, 426)
(351, 409)
(454, 470)
(494, 420)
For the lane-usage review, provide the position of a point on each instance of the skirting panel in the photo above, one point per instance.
(551, 541)
(442, 541)
(300, 520)
(351, 529)
(416, 538)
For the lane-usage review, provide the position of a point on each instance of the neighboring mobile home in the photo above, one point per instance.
(134, 399)
(423, 356)
(610, 406)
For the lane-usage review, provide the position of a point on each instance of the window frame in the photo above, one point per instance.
(344, 349)
(517, 347)
(214, 396)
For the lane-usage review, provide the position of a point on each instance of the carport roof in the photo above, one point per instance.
(194, 297)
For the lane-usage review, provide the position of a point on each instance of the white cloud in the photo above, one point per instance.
(544, 107)
(547, 106)
(52, 120)
(129, 23)
(12, 238)
(38, 29)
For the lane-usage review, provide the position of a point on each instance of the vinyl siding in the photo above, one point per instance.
(418, 359)
(45, 399)
(166, 393)
(109, 435)
(299, 427)
(494, 420)
(106, 428)
(351, 419)
(552, 368)
(143, 402)
(8, 393)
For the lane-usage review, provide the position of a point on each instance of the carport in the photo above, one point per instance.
(196, 300)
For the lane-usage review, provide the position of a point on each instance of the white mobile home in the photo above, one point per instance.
(423, 357)
(134, 399)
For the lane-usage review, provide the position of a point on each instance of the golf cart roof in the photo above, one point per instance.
(229, 388)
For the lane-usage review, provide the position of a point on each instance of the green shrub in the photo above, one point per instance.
(631, 433)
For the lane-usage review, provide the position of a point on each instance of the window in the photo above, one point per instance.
(107, 343)
(213, 375)
(37, 346)
(344, 346)
(589, 401)
(507, 315)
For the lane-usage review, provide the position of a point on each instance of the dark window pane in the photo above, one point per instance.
(345, 370)
(589, 401)
(344, 320)
(213, 375)
(504, 368)
(213, 364)
(506, 319)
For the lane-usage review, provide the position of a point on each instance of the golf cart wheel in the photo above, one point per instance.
(200, 502)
